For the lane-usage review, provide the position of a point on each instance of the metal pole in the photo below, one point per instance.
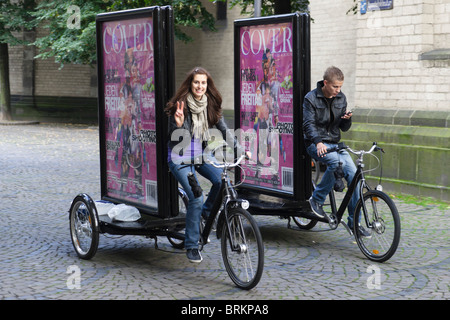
(257, 7)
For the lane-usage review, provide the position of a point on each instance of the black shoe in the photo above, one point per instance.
(316, 208)
(364, 233)
(194, 255)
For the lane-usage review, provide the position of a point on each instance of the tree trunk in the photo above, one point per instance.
(5, 93)
(282, 6)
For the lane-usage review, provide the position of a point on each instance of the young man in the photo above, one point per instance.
(325, 115)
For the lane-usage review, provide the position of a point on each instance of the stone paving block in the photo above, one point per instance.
(43, 167)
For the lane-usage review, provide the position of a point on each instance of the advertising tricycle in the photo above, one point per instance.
(135, 80)
(272, 75)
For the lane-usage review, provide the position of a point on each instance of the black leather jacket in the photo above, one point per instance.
(322, 122)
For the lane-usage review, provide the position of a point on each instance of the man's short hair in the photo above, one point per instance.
(333, 74)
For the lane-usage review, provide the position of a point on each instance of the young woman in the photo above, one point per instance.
(195, 109)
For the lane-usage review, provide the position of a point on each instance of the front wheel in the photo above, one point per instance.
(377, 214)
(242, 248)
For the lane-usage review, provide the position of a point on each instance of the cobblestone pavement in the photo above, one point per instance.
(43, 167)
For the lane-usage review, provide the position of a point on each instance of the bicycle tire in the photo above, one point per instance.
(245, 265)
(84, 226)
(384, 230)
(304, 223)
(315, 170)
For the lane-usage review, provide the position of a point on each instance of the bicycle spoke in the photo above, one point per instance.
(243, 258)
(84, 235)
(242, 251)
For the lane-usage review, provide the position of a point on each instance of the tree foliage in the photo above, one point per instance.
(14, 16)
(187, 13)
(77, 45)
(65, 43)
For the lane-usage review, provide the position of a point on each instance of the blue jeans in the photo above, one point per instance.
(196, 208)
(325, 186)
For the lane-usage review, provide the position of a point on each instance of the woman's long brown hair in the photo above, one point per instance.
(213, 95)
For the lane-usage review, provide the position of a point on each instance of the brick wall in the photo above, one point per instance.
(15, 68)
(70, 81)
(333, 42)
(213, 51)
(333, 35)
(50, 79)
(73, 80)
(389, 71)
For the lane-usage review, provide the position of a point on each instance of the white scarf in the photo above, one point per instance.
(199, 113)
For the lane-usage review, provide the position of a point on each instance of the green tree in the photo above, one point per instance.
(64, 40)
(187, 13)
(77, 44)
(14, 16)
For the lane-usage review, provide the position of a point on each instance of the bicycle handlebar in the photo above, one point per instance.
(226, 164)
(204, 157)
(342, 146)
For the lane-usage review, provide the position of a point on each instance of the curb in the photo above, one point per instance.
(17, 122)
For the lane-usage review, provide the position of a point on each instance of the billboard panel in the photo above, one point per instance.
(269, 71)
(132, 93)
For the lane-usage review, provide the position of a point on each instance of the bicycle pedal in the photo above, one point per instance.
(332, 221)
(327, 217)
(203, 242)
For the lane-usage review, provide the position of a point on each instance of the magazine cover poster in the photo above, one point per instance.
(266, 104)
(129, 110)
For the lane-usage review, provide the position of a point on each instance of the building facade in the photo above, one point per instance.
(396, 59)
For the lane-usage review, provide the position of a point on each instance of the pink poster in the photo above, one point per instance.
(266, 104)
(129, 93)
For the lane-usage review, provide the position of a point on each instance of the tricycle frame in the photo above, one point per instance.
(86, 225)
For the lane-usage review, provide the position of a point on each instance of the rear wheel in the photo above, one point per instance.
(304, 223)
(182, 209)
(84, 226)
(315, 170)
(242, 249)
